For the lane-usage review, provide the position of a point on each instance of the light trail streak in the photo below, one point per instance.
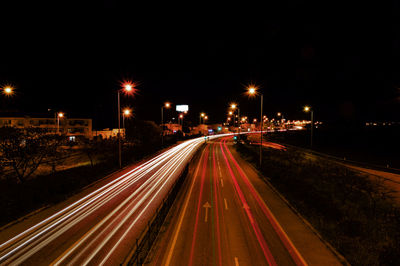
(80, 217)
(215, 182)
(198, 206)
(294, 253)
(122, 213)
(267, 253)
(20, 247)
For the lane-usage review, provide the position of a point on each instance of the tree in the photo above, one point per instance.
(145, 133)
(25, 149)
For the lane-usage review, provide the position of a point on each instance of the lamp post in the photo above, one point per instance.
(127, 88)
(126, 112)
(181, 119)
(252, 91)
(166, 105)
(59, 115)
(202, 115)
(309, 109)
(235, 106)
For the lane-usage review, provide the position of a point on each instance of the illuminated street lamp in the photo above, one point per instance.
(205, 118)
(252, 91)
(127, 88)
(59, 116)
(8, 91)
(309, 109)
(166, 105)
(181, 119)
(202, 115)
(235, 106)
(126, 112)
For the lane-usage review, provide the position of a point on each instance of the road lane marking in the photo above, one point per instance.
(198, 206)
(172, 247)
(236, 261)
(222, 183)
(226, 204)
(295, 254)
(139, 191)
(215, 183)
(260, 238)
(206, 206)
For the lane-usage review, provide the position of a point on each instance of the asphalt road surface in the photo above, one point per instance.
(99, 227)
(222, 219)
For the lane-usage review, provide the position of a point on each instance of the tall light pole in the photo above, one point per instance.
(252, 91)
(234, 106)
(166, 105)
(126, 112)
(59, 115)
(309, 109)
(127, 88)
(202, 115)
(181, 119)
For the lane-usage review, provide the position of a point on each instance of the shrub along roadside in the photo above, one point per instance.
(354, 213)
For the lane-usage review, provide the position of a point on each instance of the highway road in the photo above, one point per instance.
(101, 226)
(222, 219)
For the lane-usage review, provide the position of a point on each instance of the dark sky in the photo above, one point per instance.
(342, 59)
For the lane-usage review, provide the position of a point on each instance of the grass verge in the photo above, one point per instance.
(355, 214)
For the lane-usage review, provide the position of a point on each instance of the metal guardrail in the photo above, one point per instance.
(143, 244)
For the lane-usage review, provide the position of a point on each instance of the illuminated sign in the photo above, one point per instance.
(182, 108)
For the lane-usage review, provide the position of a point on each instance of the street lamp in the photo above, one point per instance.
(59, 116)
(8, 90)
(233, 107)
(309, 109)
(181, 119)
(126, 112)
(127, 88)
(252, 91)
(166, 105)
(202, 115)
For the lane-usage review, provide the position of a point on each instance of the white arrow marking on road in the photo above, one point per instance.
(236, 261)
(226, 204)
(207, 206)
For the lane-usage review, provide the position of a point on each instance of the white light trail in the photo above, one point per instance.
(154, 179)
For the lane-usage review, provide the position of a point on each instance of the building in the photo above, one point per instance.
(71, 127)
(108, 133)
(170, 128)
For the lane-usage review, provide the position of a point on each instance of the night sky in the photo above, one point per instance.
(343, 60)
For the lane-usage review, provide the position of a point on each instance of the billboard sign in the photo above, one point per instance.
(182, 108)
